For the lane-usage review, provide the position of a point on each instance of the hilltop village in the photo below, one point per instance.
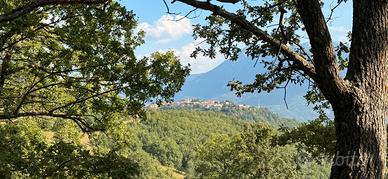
(197, 103)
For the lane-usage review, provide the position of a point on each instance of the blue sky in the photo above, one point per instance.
(162, 33)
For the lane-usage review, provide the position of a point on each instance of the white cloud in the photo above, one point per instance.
(198, 65)
(167, 28)
(201, 64)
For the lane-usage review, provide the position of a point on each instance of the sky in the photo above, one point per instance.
(164, 33)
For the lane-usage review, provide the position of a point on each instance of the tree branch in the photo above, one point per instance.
(82, 124)
(328, 78)
(3, 38)
(41, 3)
(32, 88)
(4, 71)
(332, 11)
(83, 100)
(299, 60)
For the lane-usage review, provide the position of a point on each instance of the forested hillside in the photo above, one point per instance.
(241, 111)
(166, 144)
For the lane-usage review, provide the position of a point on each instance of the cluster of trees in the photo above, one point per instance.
(256, 153)
(67, 67)
(75, 59)
(36, 149)
(167, 144)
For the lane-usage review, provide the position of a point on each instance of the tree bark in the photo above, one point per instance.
(4, 71)
(360, 113)
(361, 138)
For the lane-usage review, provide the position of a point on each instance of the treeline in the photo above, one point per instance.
(166, 144)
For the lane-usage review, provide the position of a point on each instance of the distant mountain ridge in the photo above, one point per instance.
(213, 85)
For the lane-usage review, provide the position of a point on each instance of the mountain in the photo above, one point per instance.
(213, 85)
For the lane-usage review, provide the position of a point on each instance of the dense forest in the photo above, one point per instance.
(168, 143)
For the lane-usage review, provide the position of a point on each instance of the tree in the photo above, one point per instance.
(316, 137)
(27, 153)
(33, 149)
(359, 99)
(254, 153)
(74, 59)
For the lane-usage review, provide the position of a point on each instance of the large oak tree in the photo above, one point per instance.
(74, 59)
(358, 99)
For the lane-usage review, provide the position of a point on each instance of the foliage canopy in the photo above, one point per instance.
(78, 62)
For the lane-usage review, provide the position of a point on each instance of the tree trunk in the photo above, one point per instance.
(361, 140)
(361, 111)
